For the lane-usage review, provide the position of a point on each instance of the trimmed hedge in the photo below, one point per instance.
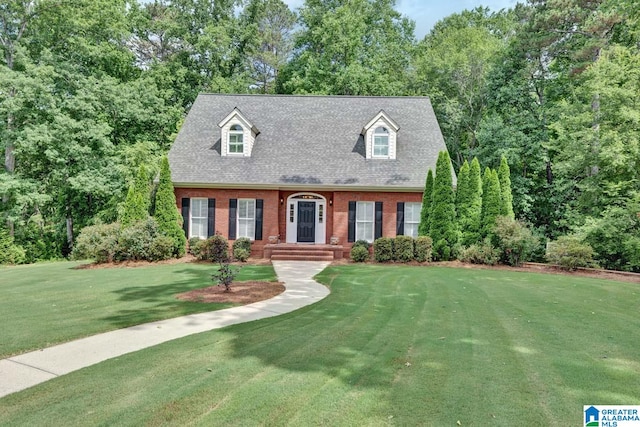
(359, 253)
(423, 249)
(404, 249)
(383, 249)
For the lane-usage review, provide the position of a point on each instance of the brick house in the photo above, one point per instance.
(299, 173)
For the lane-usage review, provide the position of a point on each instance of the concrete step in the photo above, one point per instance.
(301, 257)
(318, 252)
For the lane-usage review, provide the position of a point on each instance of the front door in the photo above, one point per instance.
(306, 222)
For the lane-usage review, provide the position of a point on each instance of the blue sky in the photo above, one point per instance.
(426, 13)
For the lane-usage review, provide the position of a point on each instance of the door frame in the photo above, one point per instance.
(291, 216)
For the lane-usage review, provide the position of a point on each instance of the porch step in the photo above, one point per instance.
(297, 252)
(302, 257)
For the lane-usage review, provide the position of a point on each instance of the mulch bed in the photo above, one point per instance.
(241, 293)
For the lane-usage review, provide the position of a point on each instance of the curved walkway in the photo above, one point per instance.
(28, 369)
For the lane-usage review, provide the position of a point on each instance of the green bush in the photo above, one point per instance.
(242, 243)
(193, 242)
(404, 248)
(215, 249)
(161, 248)
(359, 253)
(10, 253)
(135, 241)
(97, 242)
(362, 243)
(481, 253)
(423, 248)
(383, 249)
(241, 254)
(570, 252)
(515, 240)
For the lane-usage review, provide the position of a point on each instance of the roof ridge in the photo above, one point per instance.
(280, 95)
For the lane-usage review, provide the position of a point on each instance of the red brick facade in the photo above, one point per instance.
(275, 210)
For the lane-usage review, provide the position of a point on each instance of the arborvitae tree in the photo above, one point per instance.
(166, 214)
(427, 196)
(462, 196)
(136, 205)
(471, 234)
(504, 176)
(443, 210)
(490, 201)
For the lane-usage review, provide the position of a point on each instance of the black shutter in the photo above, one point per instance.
(233, 213)
(378, 227)
(211, 217)
(185, 216)
(351, 233)
(259, 209)
(400, 219)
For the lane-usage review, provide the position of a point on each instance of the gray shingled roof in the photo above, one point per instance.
(306, 142)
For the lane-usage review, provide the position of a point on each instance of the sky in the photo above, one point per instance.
(425, 13)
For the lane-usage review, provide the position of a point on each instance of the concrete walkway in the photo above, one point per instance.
(28, 369)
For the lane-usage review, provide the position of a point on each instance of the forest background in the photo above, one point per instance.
(92, 89)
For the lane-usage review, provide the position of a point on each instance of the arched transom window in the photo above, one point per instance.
(236, 141)
(381, 142)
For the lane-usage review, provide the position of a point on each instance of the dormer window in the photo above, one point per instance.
(381, 137)
(236, 140)
(381, 142)
(238, 135)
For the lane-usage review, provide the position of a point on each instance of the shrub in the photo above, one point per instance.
(10, 253)
(422, 251)
(362, 243)
(215, 248)
(241, 254)
(161, 248)
(383, 249)
(515, 240)
(481, 253)
(224, 275)
(359, 254)
(569, 252)
(242, 243)
(97, 242)
(197, 250)
(193, 242)
(135, 241)
(404, 249)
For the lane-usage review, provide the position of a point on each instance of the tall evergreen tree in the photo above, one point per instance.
(474, 211)
(166, 213)
(490, 201)
(443, 212)
(427, 197)
(462, 195)
(136, 205)
(506, 198)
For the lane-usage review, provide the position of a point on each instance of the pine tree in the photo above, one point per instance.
(471, 234)
(462, 196)
(427, 196)
(166, 214)
(504, 176)
(490, 201)
(136, 204)
(443, 210)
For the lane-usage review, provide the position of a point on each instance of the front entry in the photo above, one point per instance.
(306, 218)
(306, 222)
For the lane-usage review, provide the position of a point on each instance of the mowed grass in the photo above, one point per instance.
(391, 345)
(50, 303)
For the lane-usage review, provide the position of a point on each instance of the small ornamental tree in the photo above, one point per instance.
(136, 204)
(166, 214)
(443, 213)
(506, 198)
(425, 225)
(471, 232)
(490, 201)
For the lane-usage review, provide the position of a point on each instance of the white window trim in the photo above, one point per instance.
(231, 133)
(414, 222)
(192, 217)
(377, 135)
(359, 207)
(252, 229)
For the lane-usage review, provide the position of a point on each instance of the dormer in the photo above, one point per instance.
(237, 135)
(380, 136)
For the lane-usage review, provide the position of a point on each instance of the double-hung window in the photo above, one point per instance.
(198, 218)
(412, 218)
(236, 140)
(247, 218)
(365, 221)
(381, 142)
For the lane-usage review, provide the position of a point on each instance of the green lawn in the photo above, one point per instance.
(389, 346)
(45, 304)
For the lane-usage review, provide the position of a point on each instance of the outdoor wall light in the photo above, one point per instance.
(281, 201)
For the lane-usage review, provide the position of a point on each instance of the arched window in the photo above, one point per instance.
(236, 142)
(381, 142)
